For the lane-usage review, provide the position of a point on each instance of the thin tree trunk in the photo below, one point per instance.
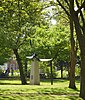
(69, 64)
(22, 76)
(62, 72)
(25, 67)
(72, 58)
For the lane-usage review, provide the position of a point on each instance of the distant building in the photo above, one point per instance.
(12, 64)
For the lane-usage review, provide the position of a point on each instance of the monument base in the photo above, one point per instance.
(34, 74)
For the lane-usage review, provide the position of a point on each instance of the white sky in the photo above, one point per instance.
(53, 21)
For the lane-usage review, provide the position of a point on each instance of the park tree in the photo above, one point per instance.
(15, 23)
(75, 9)
(61, 17)
(49, 43)
(47, 40)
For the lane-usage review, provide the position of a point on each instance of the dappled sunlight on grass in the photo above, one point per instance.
(13, 90)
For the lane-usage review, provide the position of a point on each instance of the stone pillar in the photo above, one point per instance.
(34, 74)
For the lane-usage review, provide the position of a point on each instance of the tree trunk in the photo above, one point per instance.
(82, 83)
(81, 39)
(22, 76)
(72, 58)
(72, 71)
(25, 67)
(61, 72)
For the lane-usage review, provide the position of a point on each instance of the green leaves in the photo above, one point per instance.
(28, 24)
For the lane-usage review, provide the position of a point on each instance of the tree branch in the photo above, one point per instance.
(67, 2)
(82, 6)
(63, 7)
(81, 15)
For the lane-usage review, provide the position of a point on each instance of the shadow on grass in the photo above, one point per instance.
(74, 98)
(1, 83)
(54, 80)
(9, 84)
(45, 93)
(11, 81)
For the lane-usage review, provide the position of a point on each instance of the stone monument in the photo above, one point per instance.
(34, 73)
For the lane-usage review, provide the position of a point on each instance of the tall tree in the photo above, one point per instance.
(14, 25)
(76, 10)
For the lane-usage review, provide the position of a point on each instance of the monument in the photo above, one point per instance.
(34, 74)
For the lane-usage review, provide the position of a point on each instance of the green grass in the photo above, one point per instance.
(13, 90)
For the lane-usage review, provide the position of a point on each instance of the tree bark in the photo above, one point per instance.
(82, 82)
(72, 58)
(81, 39)
(22, 76)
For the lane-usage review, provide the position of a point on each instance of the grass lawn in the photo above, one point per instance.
(13, 90)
